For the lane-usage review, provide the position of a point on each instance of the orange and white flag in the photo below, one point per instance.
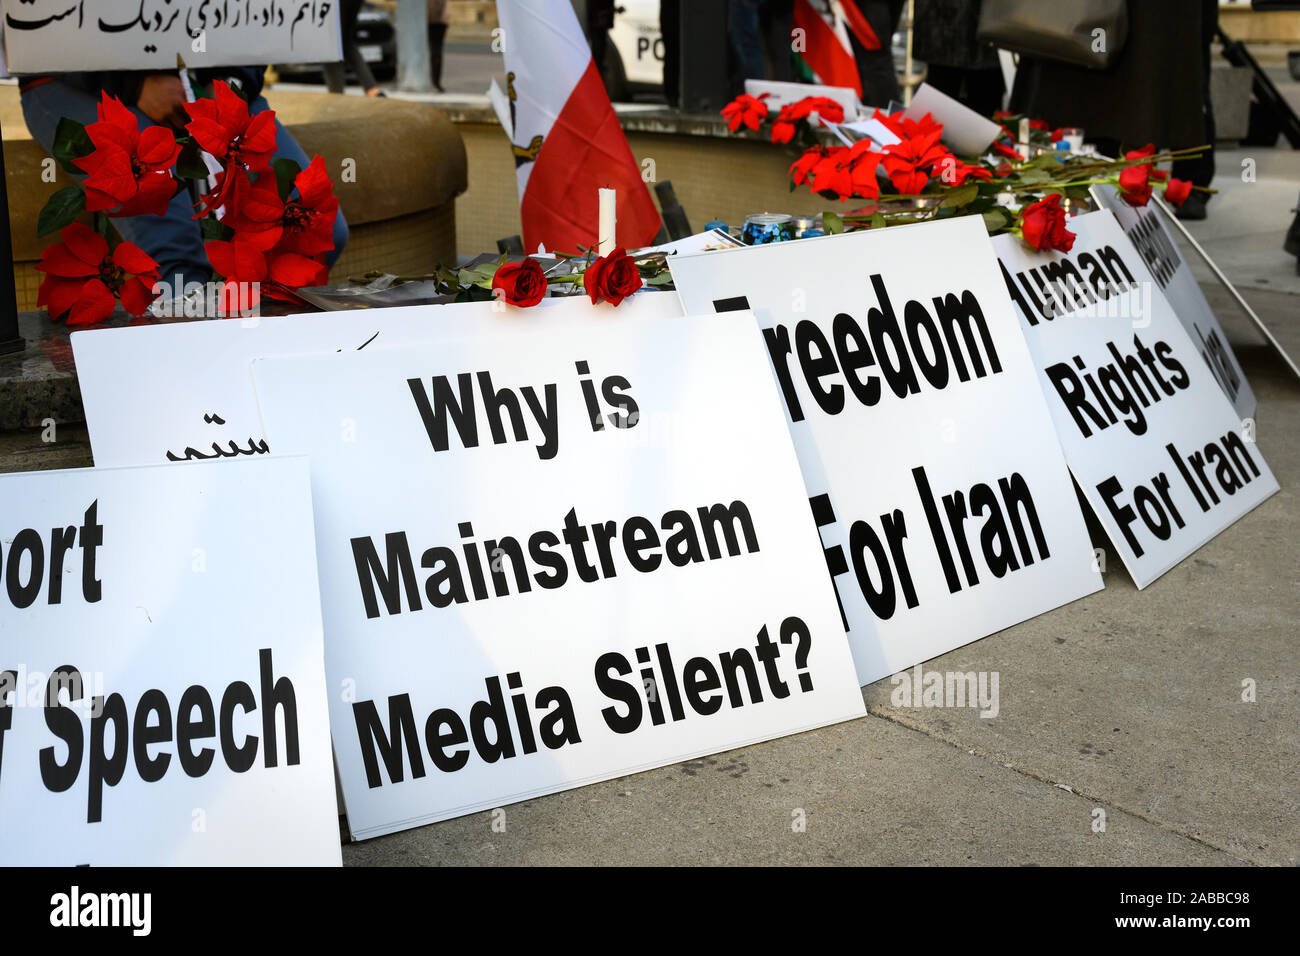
(567, 142)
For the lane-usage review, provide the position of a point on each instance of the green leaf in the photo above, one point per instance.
(61, 209)
(995, 219)
(960, 196)
(1032, 176)
(832, 224)
(474, 293)
(878, 220)
(71, 141)
(286, 171)
(214, 230)
(663, 278)
(190, 164)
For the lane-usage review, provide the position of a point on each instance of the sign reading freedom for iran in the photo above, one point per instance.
(934, 472)
(1156, 246)
(183, 391)
(162, 679)
(550, 558)
(76, 35)
(1155, 445)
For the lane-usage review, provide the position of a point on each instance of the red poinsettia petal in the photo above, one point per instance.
(85, 243)
(59, 295)
(238, 260)
(94, 304)
(257, 145)
(137, 295)
(157, 148)
(152, 198)
(209, 134)
(296, 270)
(131, 258)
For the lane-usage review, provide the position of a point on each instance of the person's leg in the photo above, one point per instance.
(742, 31)
(335, 77)
(287, 147)
(174, 240)
(437, 36)
(348, 13)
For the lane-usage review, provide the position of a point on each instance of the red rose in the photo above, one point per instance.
(1135, 185)
(521, 283)
(747, 110)
(130, 169)
(1009, 152)
(1043, 225)
(611, 278)
(82, 278)
(1177, 191)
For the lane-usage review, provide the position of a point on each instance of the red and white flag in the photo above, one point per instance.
(566, 139)
(826, 49)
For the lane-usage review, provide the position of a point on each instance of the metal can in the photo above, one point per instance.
(800, 225)
(763, 228)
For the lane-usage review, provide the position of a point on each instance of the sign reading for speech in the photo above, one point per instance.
(554, 557)
(182, 391)
(1155, 244)
(934, 472)
(1161, 456)
(162, 681)
(51, 36)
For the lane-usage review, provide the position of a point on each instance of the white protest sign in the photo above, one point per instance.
(550, 558)
(934, 473)
(158, 393)
(966, 132)
(162, 680)
(1160, 454)
(53, 36)
(1156, 246)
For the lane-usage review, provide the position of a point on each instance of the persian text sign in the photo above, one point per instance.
(934, 471)
(76, 35)
(553, 557)
(182, 391)
(162, 681)
(1155, 445)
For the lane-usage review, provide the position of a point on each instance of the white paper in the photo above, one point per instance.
(50, 36)
(859, 460)
(184, 389)
(197, 573)
(1165, 402)
(707, 430)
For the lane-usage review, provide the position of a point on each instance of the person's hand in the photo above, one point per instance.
(162, 99)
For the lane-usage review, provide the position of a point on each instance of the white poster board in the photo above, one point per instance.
(162, 681)
(55, 36)
(608, 568)
(157, 393)
(1155, 445)
(1155, 244)
(934, 472)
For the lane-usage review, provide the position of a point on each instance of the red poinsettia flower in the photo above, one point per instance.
(82, 278)
(783, 127)
(129, 173)
(802, 166)
(847, 171)
(243, 265)
(304, 224)
(908, 162)
(1002, 149)
(611, 278)
(1043, 224)
(1135, 185)
(746, 110)
(1177, 191)
(223, 127)
(903, 126)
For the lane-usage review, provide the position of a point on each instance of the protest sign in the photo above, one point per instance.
(1155, 244)
(162, 682)
(182, 391)
(1161, 456)
(554, 557)
(934, 472)
(59, 36)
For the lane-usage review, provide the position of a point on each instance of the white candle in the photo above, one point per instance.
(608, 220)
(1024, 129)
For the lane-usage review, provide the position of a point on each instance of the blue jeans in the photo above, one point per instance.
(174, 240)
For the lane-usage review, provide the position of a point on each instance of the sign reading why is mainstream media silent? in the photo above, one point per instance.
(52, 36)
(553, 557)
(1160, 454)
(934, 472)
(1155, 244)
(183, 391)
(162, 680)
